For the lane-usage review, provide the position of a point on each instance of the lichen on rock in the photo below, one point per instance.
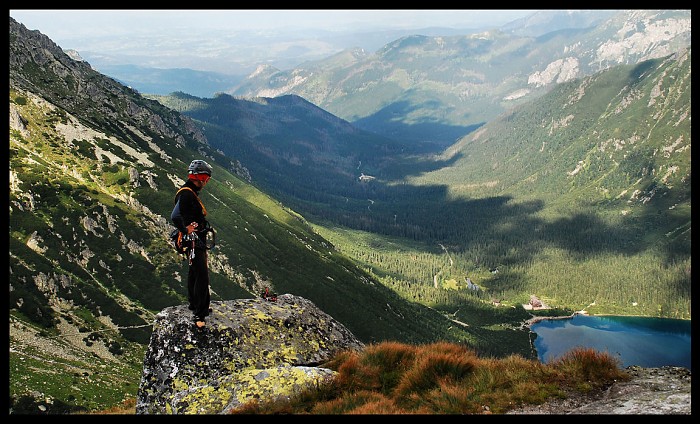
(250, 349)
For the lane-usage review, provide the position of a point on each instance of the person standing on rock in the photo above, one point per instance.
(189, 216)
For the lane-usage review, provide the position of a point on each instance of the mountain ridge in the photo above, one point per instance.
(466, 80)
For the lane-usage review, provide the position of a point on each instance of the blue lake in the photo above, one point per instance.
(647, 342)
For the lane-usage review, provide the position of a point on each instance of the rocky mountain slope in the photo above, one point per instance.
(441, 88)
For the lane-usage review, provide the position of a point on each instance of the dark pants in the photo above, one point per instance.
(198, 284)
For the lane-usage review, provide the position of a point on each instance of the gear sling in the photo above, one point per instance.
(182, 242)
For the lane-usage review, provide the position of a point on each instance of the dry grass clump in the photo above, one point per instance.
(127, 407)
(443, 378)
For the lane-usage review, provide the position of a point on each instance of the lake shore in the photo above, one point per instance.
(534, 320)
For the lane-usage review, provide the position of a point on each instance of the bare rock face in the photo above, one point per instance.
(650, 391)
(658, 391)
(249, 349)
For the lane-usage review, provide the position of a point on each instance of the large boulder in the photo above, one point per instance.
(250, 349)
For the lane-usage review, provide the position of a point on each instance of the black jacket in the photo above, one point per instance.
(188, 208)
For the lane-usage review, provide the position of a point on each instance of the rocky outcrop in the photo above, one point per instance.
(250, 349)
(659, 391)
(650, 391)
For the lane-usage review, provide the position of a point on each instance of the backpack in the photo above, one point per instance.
(267, 295)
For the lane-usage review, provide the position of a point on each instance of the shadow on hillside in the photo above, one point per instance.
(429, 135)
(340, 176)
(503, 229)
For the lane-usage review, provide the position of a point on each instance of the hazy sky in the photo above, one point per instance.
(62, 25)
(235, 41)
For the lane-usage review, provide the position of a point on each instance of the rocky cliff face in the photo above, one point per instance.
(38, 65)
(250, 349)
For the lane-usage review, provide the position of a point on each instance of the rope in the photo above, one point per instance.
(65, 336)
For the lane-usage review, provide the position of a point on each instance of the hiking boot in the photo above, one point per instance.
(199, 322)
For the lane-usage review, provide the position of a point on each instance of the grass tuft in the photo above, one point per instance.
(444, 378)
